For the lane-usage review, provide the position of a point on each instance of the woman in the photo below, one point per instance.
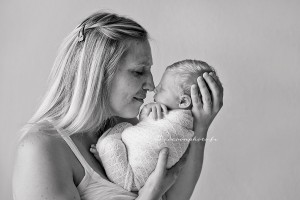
(101, 76)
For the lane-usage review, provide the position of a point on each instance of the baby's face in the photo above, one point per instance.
(166, 92)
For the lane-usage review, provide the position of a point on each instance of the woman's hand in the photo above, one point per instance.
(162, 178)
(206, 108)
(156, 110)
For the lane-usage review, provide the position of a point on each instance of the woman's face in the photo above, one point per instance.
(132, 80)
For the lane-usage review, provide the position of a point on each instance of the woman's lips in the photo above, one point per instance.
(139, 99)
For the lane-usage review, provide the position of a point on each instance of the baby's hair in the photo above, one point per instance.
(187, 72)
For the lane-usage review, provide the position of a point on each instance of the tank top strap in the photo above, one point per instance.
(77, 153)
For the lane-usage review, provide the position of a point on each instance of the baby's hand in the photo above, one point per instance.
(156, 110)
(94, 151)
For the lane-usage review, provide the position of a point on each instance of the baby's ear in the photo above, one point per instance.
(185, 101)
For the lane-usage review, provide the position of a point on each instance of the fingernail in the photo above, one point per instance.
(211, 73)
(205, 74)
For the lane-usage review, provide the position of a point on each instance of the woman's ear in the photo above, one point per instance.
(185, 101)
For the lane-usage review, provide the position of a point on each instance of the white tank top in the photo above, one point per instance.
(93, 186)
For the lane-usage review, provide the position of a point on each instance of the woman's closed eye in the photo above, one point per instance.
(138, 73)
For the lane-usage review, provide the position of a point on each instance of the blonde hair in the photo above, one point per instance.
(187, 72)
(77, 99)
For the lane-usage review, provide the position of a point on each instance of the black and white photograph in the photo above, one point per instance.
(150, 100)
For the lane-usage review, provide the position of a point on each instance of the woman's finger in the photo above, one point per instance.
(216, 78)
(196, 101)
(215, 91)
(219, 91)
(206, 97)
(162, 161)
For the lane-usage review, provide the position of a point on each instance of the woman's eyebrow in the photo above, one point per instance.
(143, 66)
(145, 63)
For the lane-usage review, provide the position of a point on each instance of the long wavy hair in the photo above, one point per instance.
(80, 80)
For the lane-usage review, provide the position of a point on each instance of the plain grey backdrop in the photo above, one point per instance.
(254, 45)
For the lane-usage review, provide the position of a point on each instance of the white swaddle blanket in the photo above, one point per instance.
(129, 154)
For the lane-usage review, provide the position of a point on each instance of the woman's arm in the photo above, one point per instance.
(184, 186)
(42, 171)
(204, 112)
(161, 179)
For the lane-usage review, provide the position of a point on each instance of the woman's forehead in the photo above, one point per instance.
(139, 54)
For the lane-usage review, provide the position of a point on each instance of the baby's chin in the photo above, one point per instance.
(156, 101)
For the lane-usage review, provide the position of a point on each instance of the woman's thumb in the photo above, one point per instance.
(162, 160)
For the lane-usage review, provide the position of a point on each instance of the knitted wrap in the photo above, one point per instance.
(129, 154)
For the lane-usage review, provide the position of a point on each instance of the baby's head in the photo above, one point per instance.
(174, 89)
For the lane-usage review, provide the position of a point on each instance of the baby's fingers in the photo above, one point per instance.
(146, 111)
(154, 112)
(158, 111)
(160, 108)
(165, 109)
(93, 149)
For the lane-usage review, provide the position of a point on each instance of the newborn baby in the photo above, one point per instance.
(129, 154)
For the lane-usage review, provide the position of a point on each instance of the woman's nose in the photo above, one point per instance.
(149, 85)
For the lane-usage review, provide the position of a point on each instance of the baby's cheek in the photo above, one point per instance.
(160, 100)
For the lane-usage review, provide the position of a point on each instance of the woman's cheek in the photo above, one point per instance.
(130, 111)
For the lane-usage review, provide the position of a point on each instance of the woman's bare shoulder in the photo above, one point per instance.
(42, 162)
(41, 146)
(44, 146)
(45, 140)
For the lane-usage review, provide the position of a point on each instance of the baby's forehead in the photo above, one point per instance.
(171, 79)
(179, 79)
(169, 75)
